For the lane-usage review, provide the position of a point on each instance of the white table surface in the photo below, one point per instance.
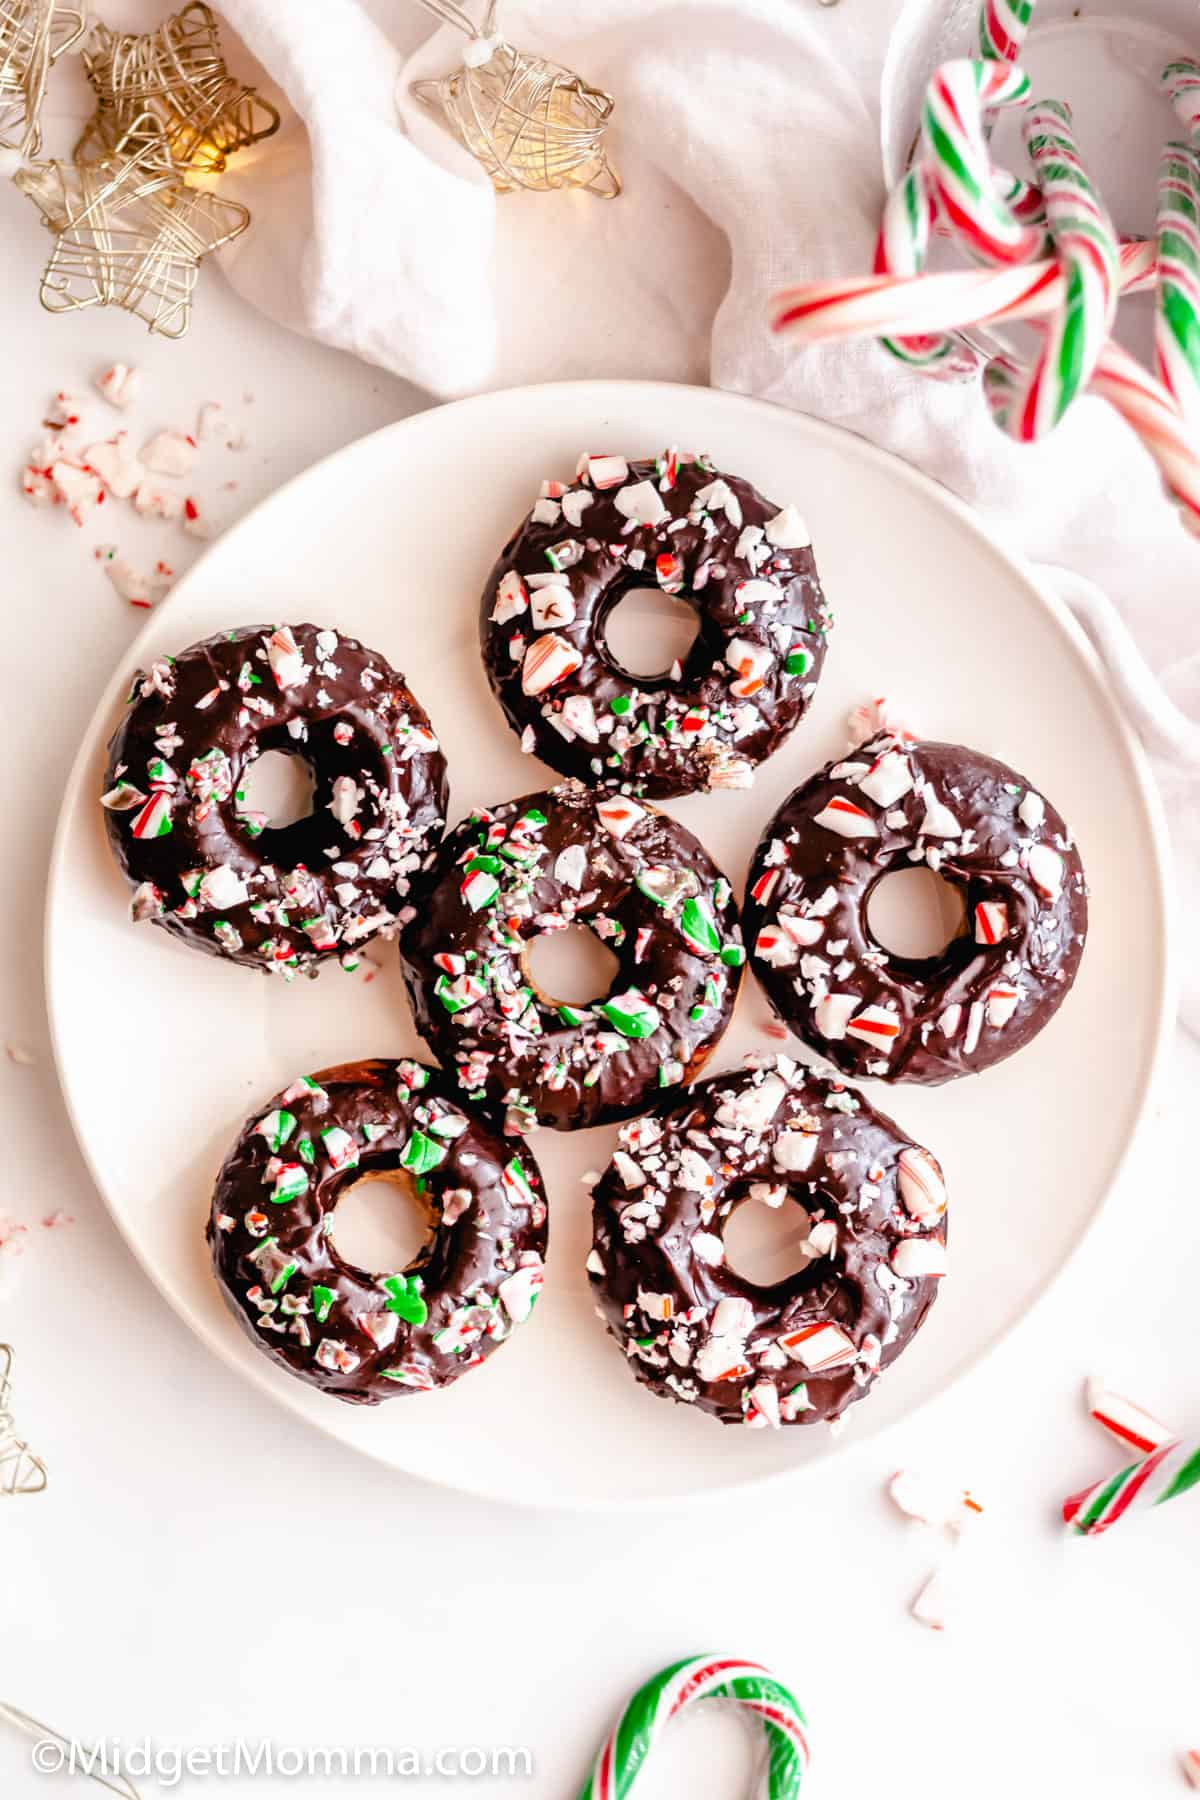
(201, 1568)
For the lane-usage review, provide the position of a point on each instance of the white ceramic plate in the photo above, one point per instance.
(390, 540)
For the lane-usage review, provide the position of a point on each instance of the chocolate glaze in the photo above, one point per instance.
(653, 895)
(713, 548)
(360, 1336)
(985, 831)
(695, 1331)
(277, 900)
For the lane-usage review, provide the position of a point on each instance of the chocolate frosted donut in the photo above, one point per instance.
(361, 1336)
(220, 876)
(804, 1348)
(742, 563)
(893, 804)
(643, 885)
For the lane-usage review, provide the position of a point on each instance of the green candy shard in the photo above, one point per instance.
(699, 927)
(632, 1015)
(621, 704)
(491, 865)
(284, 1276)
(304, 1149)
(421, 1154)
(572, 1015)
(322, 1303)
(532, 817)
(733, 956)
(797, 662)
(405, 1298)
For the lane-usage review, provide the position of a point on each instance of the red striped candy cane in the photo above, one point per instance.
(1177, 322)
(955, 150)
(751, 1687)
(1171, 1470)
(1087, 249)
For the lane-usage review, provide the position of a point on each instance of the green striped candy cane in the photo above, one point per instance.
(1030, 405)
(1177, 321)
(748, 1685)
(1171, 1470)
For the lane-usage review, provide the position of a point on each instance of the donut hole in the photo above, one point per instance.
(915, 915)
(570, 967)
(766, 1243)
(380, 1223)
(646, 631)
(279, 784)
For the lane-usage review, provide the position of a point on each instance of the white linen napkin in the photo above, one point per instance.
(746, 135)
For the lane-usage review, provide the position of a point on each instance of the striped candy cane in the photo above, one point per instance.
(1087, 248)
(884, 305)
(1002, 28)
(954, 147)
(1166, 1472)
(1177, 322)
(1180, 82)
(1146, 405)
(750, 1686)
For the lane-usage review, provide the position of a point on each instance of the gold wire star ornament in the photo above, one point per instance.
(128, 231)
(529, 122)
(21, 1472)
(177, 75)
(33, 35)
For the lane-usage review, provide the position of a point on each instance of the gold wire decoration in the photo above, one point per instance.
(177, 75)
(128, 231)
(21, 1472)
(531, 123)
(33, 35)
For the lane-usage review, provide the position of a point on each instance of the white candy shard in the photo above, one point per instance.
(929, 1607)
(875, 1025)
(605, 471)
(888, 778)
(511, 598)
(579, 716)
(550, 606)
(787, 530)
(119, 385)
(846, 820)
(762, 1406)
(570, 866)
(991, 921)
(1046, 870)
(548, 660)
(574, 505)
(794, 1151)
(939, 821)
(1129, 1424)
(918, 1259)
(718, 496)
(170, 453)
(154, 501)
(1032, 810)
(707, 1246)
(641, 503)
(221, 888)
(619, 816)
(833, 1013)
(118, 465)
(922, 1185)
(818, 1347)
(283, 654)
(139, 587)
(80, 488)
(753, 1109)
(1002, 1002)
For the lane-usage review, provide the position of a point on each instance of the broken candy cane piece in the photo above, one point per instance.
(991, 921)
(870, 717)
(118, 465)
(37, 477)
(140, 589)
(119, 385)
(603, 471)
(213, 425)
(1046, 870)
(922, 1185)
(919, 1259)
(154, 501)
(170, 453)
(845, 819)
(80, 488)
(63, 412)
(787, 530)
(933, 1503)
(548, 660)
(930, 1605)
(1189, 1762)
(196, 520)
(888, 778)
(1128, 1423)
